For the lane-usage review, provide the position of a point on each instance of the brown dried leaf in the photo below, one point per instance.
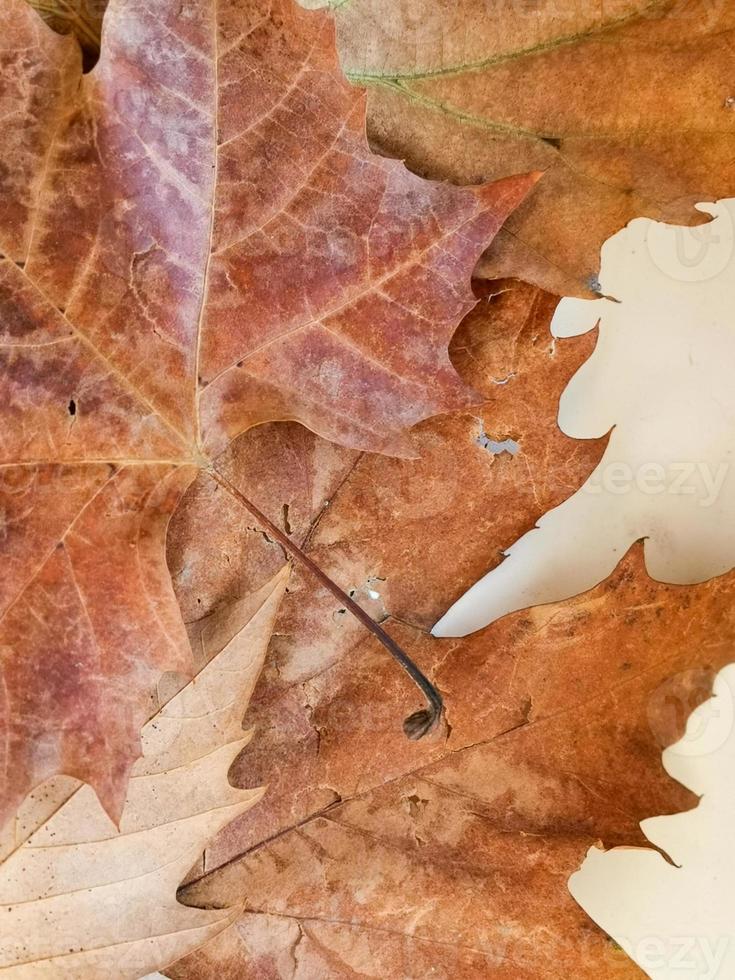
(197, 240)
(374, 855)
(628, 107)
(83, 18)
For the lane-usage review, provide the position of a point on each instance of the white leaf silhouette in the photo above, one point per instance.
(677, 920)
(661, 382)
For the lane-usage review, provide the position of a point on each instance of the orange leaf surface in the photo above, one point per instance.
(197, 239)
(371, 854)
(626, 106)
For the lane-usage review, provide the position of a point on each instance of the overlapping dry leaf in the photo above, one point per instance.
(628, 107)
(82, 18)
(374, 855)
(380, 512)
(82, 898)
(196, 239)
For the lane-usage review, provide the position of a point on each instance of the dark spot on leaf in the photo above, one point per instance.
(72, 407)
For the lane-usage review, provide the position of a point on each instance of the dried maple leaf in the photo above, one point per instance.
(455, 851)
(82, 898)
(197, 240)
(628, 107)
(369, 535)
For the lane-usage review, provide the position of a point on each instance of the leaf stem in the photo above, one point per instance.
(415, 725)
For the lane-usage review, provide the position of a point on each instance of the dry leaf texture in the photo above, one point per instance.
(83, 18)
(197, 239)
(659, 382)
(83, 899)
(628, 107)
(378, 857)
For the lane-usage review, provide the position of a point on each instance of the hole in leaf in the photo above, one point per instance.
(509, 446)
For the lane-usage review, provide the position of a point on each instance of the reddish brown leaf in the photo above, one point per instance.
(197, 240)
(368, 849)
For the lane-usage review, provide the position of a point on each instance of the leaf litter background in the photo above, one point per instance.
(374, 856)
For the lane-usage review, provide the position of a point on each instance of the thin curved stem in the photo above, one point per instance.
(415, 725)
